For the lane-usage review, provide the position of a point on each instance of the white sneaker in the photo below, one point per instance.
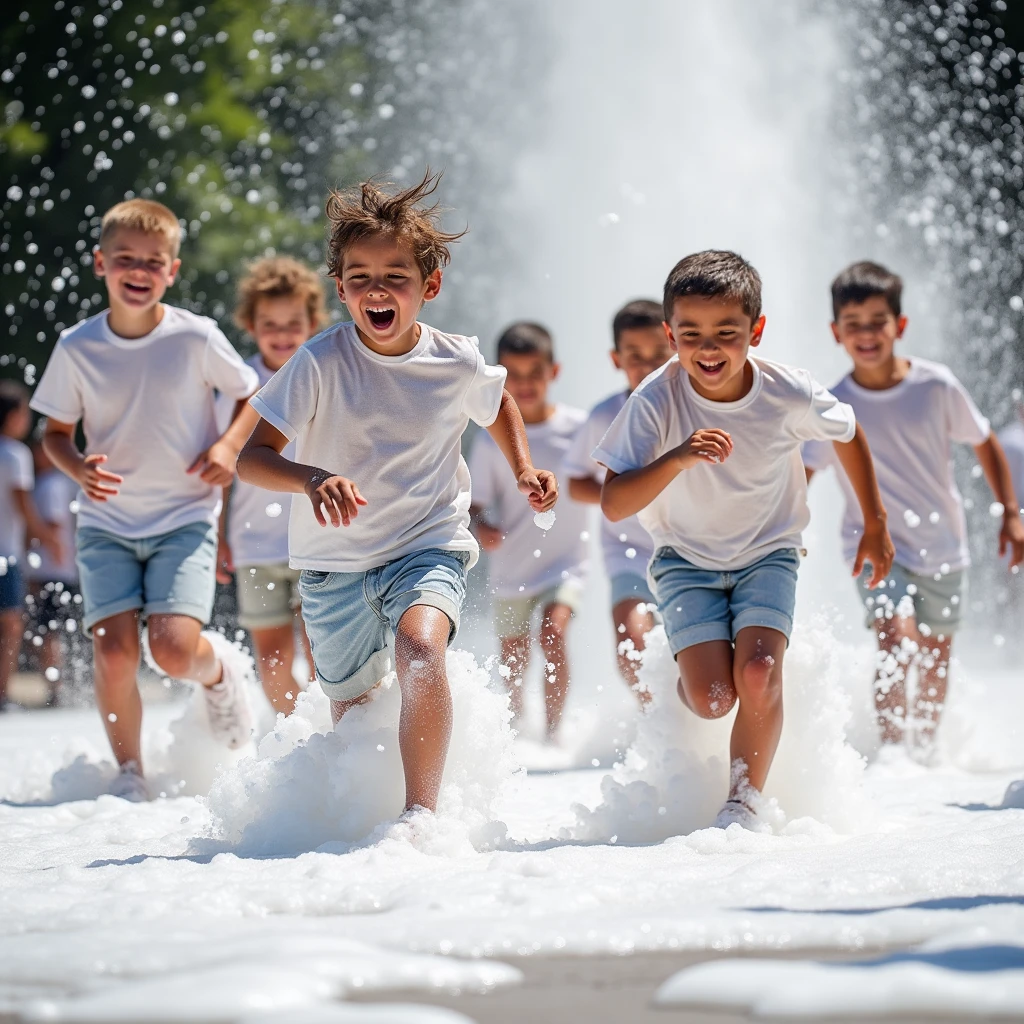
(227, 702)
(129, 784)
(735, 812)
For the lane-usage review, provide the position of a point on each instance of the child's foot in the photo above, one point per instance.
(129, 784)
(227, 704)
(736, 812)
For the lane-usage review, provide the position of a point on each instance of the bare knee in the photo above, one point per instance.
(552, 636)
(420, 660)
(172, 654)
(758, 683)
(117, 656)
(712, 701)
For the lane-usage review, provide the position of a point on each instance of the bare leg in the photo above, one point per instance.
(181, 651)
(897, 647)
(632, 622)
(515, 656)
(51, 656)
(307, 649)
(425, 725)
(116, 651)
(12, 625)
(706, 678)
(275, 652)
(932, 685)
(757, 676)
(554, 625)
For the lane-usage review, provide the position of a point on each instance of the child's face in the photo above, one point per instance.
(529, 377)
(17, 423)
(280, 325)
(712, 337)
(641, 351)
(868, 331)
(139, 268)
(383, 288)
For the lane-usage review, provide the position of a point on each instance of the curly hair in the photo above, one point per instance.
(276, 277)
(367, 211)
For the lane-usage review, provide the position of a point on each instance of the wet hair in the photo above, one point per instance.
(860, 281)
(525, 338)
(13, 396)
(144, 215)
(278, 277)
(636, 315)
(368, 211)
(714, 274)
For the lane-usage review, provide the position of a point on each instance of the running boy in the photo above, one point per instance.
(19, 522)
(531, 570)
(281, 304)
(378, 406)
(141, 377)
(707, 450)
(640, 348)
(911, 411)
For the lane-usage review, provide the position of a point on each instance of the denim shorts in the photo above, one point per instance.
(12, 586)
(352, 617)
(171, 573)
(630, 586)
(935, 604)
(699, 605)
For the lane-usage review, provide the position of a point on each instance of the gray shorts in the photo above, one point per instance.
(268, 595)
(935, 604)
(513, 615)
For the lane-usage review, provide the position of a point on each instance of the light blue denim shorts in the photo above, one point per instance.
(699, 605)
(936, 604)
(630, 586)
(171, 573)
(352, 617)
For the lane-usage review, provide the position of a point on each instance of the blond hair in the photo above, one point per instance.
(277, 277)
(368, 211)
(143, 215)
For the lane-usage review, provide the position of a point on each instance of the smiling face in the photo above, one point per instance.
(280, 325)
(712, 337)
(138, 266)
(641, 351)
(383, 288)
(868, 331)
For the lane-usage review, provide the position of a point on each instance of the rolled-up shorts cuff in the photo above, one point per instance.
(364, 679)
(201, 612)
(764, 618)
(698, 633)
(432, 599)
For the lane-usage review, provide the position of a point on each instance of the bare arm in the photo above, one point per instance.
(509, 434)
(625, 494)
(216, 465)
(36, 527)
(87, 471)
(875, 545)
(997, 472)
(225, 560)
(809, 473)
(585, 489)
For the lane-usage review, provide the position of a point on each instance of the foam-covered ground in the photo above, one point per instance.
(273, 883)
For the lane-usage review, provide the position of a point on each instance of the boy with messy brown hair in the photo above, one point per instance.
(280, 305)
(376, 408)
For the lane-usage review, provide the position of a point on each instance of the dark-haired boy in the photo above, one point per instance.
(639, 348)
(707, 451)
(531, 570)
(378, 406)
(911, 411)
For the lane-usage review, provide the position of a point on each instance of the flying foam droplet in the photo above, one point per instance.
(544, 520)
(274, 510)
(996, 509)
(34, 560)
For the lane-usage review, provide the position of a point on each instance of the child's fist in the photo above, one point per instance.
(707, 445)
(96, 482)
(216, 465)
(337, 494)
(1011, 539)
(540, 488)
(875, 547)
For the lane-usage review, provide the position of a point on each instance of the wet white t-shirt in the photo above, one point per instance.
(148, 405)
(728, 516)
(15, 475)
(391, 424)
(257, 519)
(627, 547)
(56, 497)
(910, 429)
(531, 560)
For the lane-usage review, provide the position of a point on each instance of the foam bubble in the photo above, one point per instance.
(544, 520)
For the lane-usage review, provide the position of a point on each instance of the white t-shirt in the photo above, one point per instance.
(15, 475)
(1012, 439)
(392, 425)
(529, 559)
(148, 405)
(257, 519)
(910, 428)
(627, 547)
(727, 516)
(54, 495)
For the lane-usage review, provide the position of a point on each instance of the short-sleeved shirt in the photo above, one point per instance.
(910, 429)
(391, 424)
(56, 497)
(626, 545)
(1012, 439)
(531, 560)
(728, 516)
(15, 475)
(257, 519)
(148, 405)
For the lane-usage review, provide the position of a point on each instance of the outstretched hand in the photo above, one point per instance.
(97, 483)
(337, 494)
(876, 548)
(1011, 539)
(540, 488)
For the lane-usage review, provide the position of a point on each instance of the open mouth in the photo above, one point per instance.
(868, 350)
(711, 369)
(136, 289)
(381, 317)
